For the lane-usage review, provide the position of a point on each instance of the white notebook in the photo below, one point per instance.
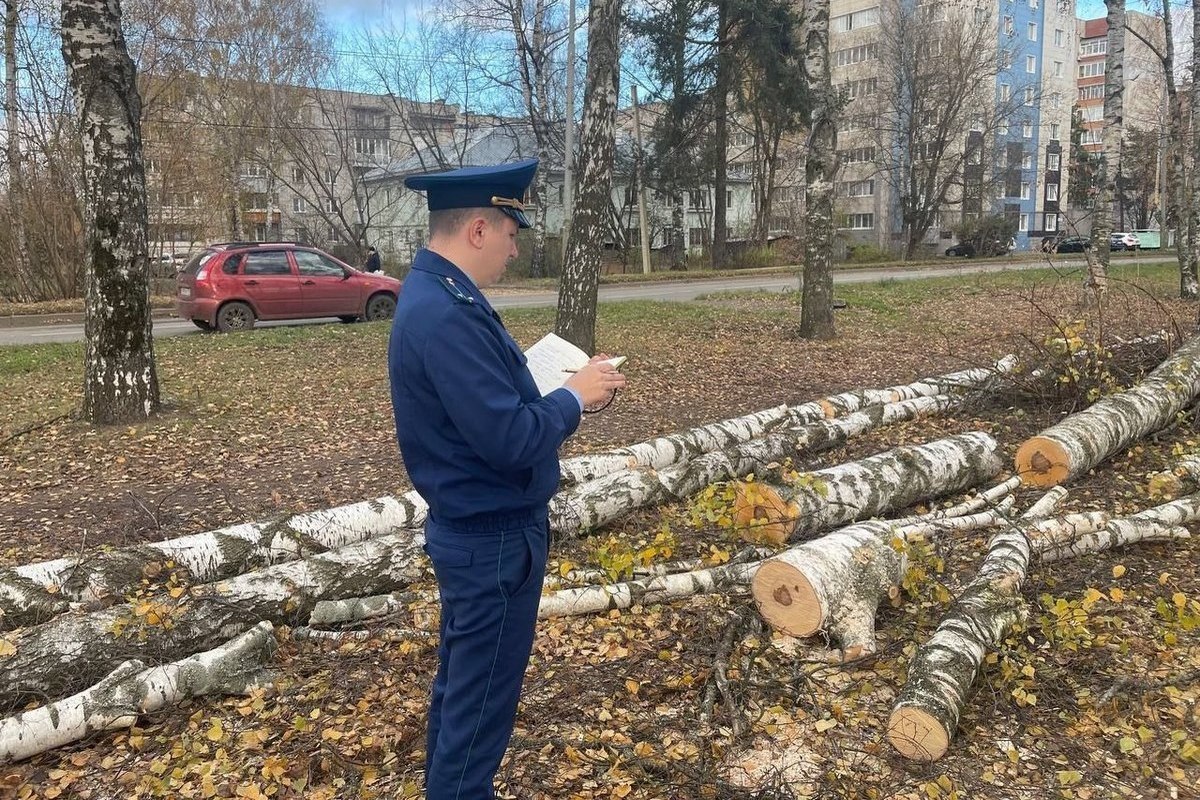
(552, 360)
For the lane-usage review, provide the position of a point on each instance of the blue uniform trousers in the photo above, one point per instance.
(490, 578)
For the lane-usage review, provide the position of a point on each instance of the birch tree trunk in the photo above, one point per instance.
(1083, 440)
(75, 650)
(578, 287)
(859, 489)
(120, 382)
(929, 706)
(1175, 213)
(16, 185)
(1096, 281)
(592, 504)
(33, 593)
(132, 690)
(816, 302)
(720, 136)
(1187, 231)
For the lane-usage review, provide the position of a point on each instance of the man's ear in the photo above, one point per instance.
(476, 229)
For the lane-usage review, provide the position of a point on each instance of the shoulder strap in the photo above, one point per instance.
(456, 291)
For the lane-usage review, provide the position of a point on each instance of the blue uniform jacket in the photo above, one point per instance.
(477, 439)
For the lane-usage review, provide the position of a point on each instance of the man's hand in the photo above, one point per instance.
(597, 381)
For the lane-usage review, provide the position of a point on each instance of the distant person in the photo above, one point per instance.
(374, 262)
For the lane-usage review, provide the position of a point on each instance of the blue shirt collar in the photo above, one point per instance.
(429, 261)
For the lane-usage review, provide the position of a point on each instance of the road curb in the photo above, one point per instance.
(66, 318)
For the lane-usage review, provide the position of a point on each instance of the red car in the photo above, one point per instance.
(228, 286)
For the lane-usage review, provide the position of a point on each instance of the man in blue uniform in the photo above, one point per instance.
(481, 446)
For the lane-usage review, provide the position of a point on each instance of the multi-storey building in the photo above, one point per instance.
(1145, 85)
(1011, 161)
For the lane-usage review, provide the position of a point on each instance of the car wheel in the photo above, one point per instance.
(235, 316)
(203, 325)
(348, 318)
(380, 306)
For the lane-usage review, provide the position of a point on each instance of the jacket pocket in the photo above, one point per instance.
(523, 561)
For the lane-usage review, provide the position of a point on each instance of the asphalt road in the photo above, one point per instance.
(680, 291)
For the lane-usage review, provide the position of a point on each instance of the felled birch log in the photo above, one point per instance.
(102, 577)
(131, 690)
(74, 650)
(1083, 440)
(656, 589)
(973, 379)
(665, 451)
(897, 478)
(597, 502)
(837, 582)
(929, 706)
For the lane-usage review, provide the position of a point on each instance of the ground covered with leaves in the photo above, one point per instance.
(1097, 695)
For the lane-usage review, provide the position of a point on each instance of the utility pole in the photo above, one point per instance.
(641, 183)
(569, 147)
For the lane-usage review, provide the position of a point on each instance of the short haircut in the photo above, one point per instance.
(448, 221)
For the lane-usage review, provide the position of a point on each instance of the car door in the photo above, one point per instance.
(267, 278)
(328, 289)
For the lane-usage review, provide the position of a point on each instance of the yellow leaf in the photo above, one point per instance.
(564, 568)
(175, 591)
(1117, 594)
(7, 648)
(823, 725)
(1118, 570)
(1069, 777)
(214, 733)
(632, 686)
(1179, 599)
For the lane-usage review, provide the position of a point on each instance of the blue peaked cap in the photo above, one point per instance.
(502, 186)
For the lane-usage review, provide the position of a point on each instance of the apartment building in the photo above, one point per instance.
(1145, 85)
(1011, 165)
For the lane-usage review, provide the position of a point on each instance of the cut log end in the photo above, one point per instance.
(786, 599)
(827, 408)
(761, 514)
(1041, 461)
(917, 735)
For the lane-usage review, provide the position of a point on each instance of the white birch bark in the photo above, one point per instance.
(595, 503)
(104, 577)
(120, 381)
(656, 589)
(1096, 278)
(866, 488)
(1083, 440)
(973, 379)
(940, 677)
(74, 650)
(820, 169)
(132, 690)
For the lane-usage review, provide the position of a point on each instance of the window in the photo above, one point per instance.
(253, 170)
(1031, 64)
(1053, 161)
(855, 55)
(254, 201)
(316, 264)
(859, 88)
(1024, 223)
(1093, 47)
(1091, 69)
(857, 155)
(1026, 191)
(1027, 162)
(266, 262)
(1006, 59)
(1051, 192)
(1093, 136)
(1051, 222)
(1092, 113)
(1028, 95)
(1056, 99)
(1002, 128)
(297, 174)
(1032, 32)
(859, 222)
(1027, 130)
(698, 199)
(1009, 27)
(1060, 37)
(330, 205)
(857, 188)
(1058, 69)
(369, 146)
(697, 237)
(1005, 91)
(1092, 92)
(728, 199)
(866, 18)
(298, 205)
(1033, 3)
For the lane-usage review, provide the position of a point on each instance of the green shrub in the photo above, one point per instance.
(868, 254)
